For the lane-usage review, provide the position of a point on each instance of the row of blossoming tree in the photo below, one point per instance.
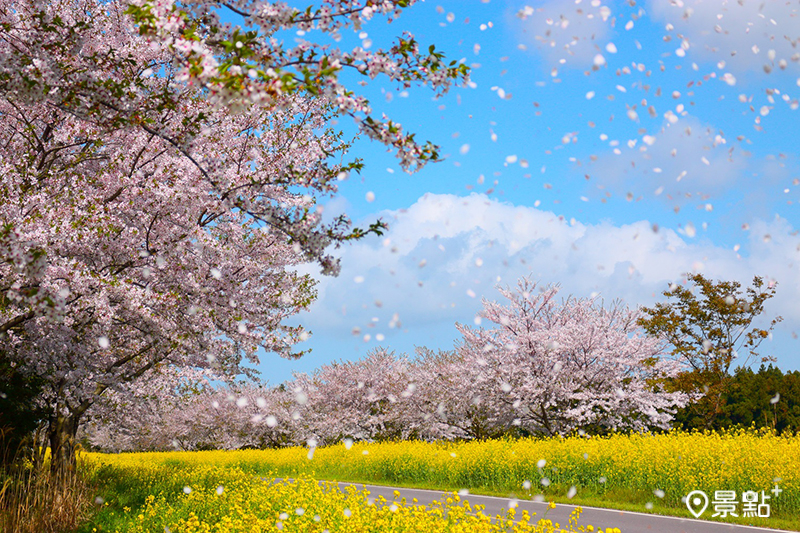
(546, 366)
(159, 177)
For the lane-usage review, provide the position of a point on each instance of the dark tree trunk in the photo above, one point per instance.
(62, 434)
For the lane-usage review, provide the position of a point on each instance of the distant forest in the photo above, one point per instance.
(751, 398)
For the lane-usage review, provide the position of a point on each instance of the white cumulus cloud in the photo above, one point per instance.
(471, 244)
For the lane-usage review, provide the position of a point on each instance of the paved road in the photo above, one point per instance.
(626, 521)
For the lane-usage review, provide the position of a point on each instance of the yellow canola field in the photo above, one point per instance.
(228, 500)
(676, 463)
(640, 467)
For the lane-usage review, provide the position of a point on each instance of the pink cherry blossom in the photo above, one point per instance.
(556, 367)
(159, 178)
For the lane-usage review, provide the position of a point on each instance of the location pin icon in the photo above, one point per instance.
(697, 502)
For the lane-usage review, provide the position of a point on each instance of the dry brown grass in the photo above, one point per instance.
(33, 500)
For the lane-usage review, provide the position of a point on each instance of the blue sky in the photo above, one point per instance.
(606, 147)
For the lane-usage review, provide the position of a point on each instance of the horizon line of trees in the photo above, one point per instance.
(306, 411)
(546, 367)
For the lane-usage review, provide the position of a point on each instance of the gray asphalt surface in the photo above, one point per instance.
(626, 521)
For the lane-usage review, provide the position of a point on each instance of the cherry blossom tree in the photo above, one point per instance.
(192, 416)
(145, 416)
(569, 365)
(149, 267)
(160, 171)
(453, 401)
(361, 400)
(84, 58)
(383, 396)
(547, 368)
